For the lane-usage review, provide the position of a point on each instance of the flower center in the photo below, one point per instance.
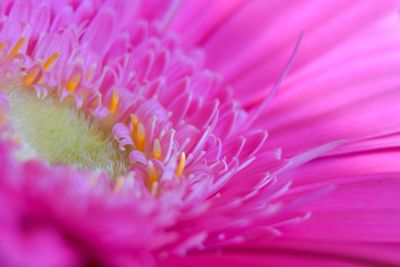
(61, 112)
(56, 132)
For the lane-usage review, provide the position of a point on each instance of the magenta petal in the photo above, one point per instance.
(295, 252)
(359, 209)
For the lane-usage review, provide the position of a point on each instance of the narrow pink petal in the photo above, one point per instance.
(101, 31)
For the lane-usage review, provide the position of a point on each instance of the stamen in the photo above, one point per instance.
(154, 189)
(135, 124)
(114, 101)
(16, 48)
(141, 137)
(181, 164)
(3, 46)
(89, 73)
(47, 64)
(95, 101)
(156, 149)
(118, 184)
(152, 173)
(73, 82)
(31, 76)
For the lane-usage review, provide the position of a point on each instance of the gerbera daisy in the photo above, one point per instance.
(131, 136)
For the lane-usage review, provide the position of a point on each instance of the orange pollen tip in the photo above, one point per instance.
(31, 76)
(73, 82)
(16, 48)
(49, 62)
(156, 149)
(114, 101)
(152, 173)
(134, 122)
(141, 137)
(134, 126)
(181, 164)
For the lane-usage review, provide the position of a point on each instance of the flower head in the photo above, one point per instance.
(149, 138)
(123, 148)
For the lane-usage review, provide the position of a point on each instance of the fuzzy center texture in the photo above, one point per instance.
(55, 132)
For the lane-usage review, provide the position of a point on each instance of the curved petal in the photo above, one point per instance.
(363, 208)
(350, 93)
(295, 252)
(260, 34)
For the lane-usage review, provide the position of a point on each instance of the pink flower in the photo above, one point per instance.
(134, 133)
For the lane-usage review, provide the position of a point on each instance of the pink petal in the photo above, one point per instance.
(293, 252)
(363, 208)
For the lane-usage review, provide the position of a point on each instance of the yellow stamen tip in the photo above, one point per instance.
(73, 82)
(16, 48)
(152, 174)
(141, 137)
(134, 121)
(49, 62)
(181, 164)
(134, 124)
(156, 149)
(31, 76)
(114, 101)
